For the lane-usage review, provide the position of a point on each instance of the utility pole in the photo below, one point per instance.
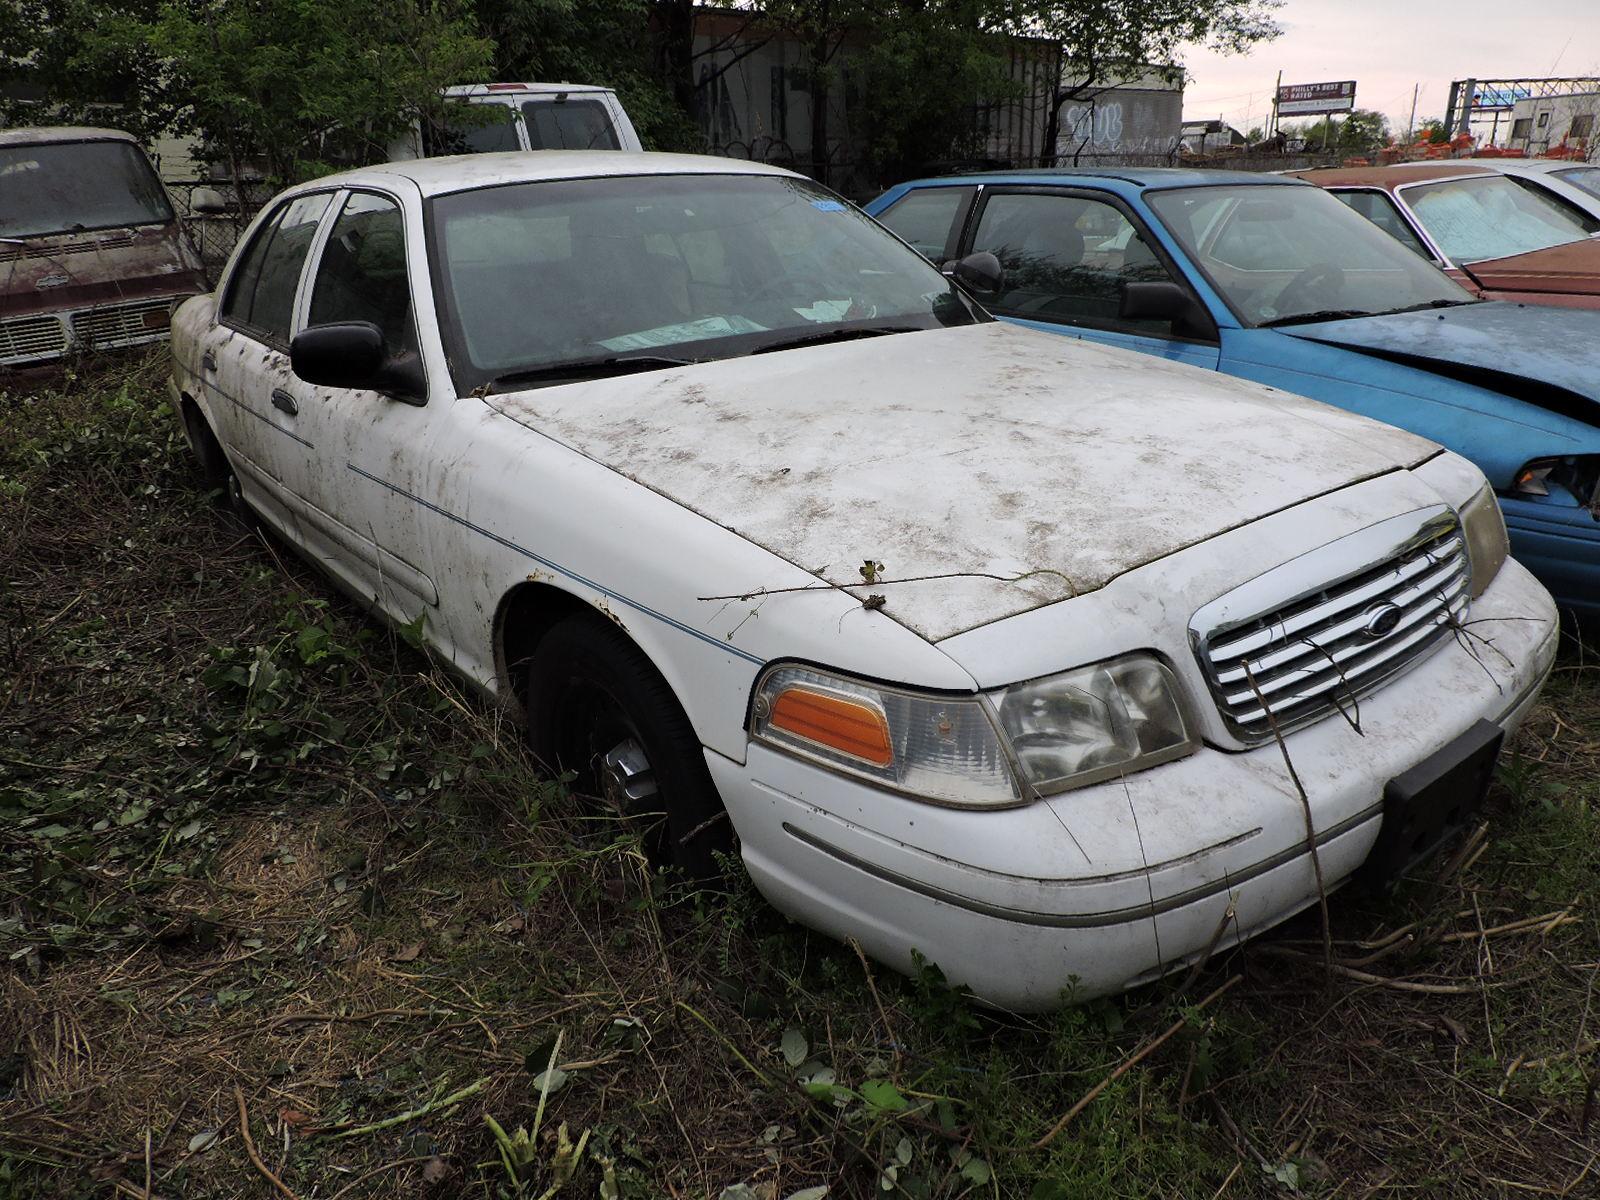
(1411, 127)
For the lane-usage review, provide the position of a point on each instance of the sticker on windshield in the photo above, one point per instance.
(827, 205)
(688, 331)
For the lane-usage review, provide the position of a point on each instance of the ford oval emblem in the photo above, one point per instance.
(1381, 620)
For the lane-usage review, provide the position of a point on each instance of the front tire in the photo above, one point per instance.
(599, 708)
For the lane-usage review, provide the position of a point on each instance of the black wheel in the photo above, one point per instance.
(215, 469)
(597, 707)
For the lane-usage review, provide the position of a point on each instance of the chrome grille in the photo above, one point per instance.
(1324, 649)
(118, 322)
(23, 338)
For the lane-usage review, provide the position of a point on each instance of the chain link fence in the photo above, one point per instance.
(214, 234)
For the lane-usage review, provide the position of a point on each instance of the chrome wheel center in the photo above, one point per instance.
(626, 777)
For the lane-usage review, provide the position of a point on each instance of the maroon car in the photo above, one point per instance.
(1500, 238)
(91, 254)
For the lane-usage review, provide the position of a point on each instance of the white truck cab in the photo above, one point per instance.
(536, 116)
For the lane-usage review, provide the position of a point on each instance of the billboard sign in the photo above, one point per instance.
(1499, 99)
(1311, 99)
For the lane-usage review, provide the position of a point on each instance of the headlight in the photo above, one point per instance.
(1573, 480)
(1485, 531)
(1095, 722)
(943, 749)
(1061, 732)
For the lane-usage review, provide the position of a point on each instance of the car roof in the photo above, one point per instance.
(463, 172)
(458, 90)
(1139, 177)
(38, 135)
(1533, 166)
(1391, 176)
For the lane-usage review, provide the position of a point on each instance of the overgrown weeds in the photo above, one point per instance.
(249, 840)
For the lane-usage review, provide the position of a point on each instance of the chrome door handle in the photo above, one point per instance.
(208, 360)
(283, 402)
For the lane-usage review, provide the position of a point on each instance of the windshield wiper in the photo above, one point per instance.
(833, 335)
(1326, 314)
(589, 368)
(1426, 305)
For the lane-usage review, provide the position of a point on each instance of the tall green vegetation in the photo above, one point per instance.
(297, 86)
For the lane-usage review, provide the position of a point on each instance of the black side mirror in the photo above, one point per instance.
(353, 354)
(1166, 301)
(979, 273)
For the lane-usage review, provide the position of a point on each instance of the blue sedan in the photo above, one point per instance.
(1275, 280)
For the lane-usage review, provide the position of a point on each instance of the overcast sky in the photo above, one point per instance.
(1389, 46)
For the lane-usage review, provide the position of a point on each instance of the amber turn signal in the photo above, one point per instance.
(847, 726)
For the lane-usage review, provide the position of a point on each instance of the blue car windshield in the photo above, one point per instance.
(534, 277)
(1281, 254)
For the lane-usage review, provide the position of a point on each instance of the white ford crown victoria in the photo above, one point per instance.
(982, 640)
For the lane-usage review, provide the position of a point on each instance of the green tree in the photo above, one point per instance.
(1433, 129)
(1363, 131)
(605, 42)
(302, 86)
(294, 86)
(82, 62)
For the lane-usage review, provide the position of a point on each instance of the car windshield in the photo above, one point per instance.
(665, 268)
(1491, 216)
(1587, 178)
(68, 187)
(1280, 254)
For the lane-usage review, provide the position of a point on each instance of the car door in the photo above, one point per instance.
(244, 365)
(1067, 254)
(365, 534)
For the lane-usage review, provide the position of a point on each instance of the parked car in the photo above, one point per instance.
(91, 254)
(523, 116)
(1264, 278)
(1574, 184)
(980, 640)
(1501, 240)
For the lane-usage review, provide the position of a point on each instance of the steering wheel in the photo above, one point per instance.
(1300, 293)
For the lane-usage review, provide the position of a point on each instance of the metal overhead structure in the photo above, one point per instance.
(1472, 97)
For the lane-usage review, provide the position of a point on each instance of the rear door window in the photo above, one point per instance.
(260, 298)
(569, 125)
(929, 219)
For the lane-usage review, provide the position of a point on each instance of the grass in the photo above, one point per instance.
(253, 846)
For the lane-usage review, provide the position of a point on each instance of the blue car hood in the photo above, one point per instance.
(1545, 355)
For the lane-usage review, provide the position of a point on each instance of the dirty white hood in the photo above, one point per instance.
(987, 450)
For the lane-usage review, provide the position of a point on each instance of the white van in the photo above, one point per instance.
(537, 116)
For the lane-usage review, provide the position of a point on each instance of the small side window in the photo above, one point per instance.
(261, 296)
(929, 219)
(242, 286)
(362, 274)
(1381, 211)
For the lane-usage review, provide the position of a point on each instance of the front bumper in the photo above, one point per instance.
(1560, 545)
(1109, 886)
